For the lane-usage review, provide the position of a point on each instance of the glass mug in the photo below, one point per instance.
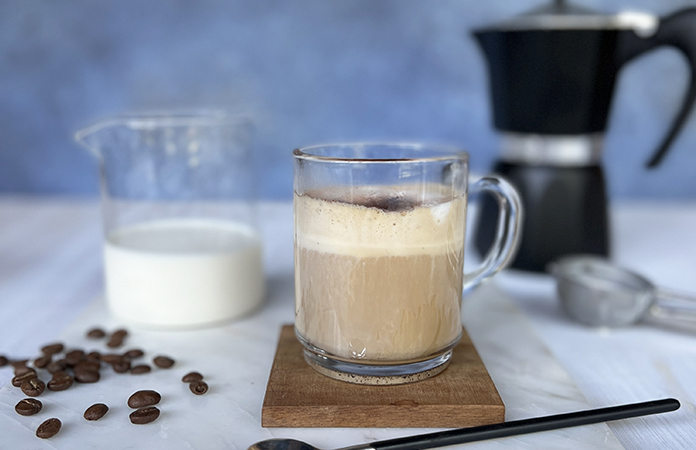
(379, 256)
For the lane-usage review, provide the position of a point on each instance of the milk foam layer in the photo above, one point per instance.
(346, 228)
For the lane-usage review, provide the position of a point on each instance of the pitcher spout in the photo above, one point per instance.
(90, 137)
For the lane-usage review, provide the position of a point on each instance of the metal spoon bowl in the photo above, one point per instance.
(281, 444)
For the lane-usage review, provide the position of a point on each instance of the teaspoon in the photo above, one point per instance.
(497, 430)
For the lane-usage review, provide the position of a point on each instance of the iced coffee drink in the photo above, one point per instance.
(378, 272)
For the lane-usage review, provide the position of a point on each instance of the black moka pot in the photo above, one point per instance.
(552, 74)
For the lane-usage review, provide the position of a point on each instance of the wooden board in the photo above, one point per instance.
(298, 396)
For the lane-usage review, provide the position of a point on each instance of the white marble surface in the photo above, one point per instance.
(236, 361)
(634, 363)
(50, 274)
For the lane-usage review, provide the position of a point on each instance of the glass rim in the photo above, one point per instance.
(182, 117)
(450, 153)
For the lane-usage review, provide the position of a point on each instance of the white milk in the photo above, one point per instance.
(183, 272)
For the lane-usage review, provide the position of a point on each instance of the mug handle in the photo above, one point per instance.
(508, 230)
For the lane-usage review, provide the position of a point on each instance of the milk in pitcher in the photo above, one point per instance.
(183, 272)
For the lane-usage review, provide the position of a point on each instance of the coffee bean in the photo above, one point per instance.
(33, 387)
(116, 338)
(144, 415)
(96, 333)
(52, 349)
(74, 357)
(198, 387)
(49, 428)
(163, 362)
(60, 381)
(42, 362)
(192, 376)
(87, 365)
(121, 366)
(139, 369)
(19, 363)
(144, 398)
(19, 379)
(134, 354)
(21, 370)
(119, 334)
(87, 376)
(62, 375)
(96, 411)
(28, 407)
(114, 343)
(94, 356)
(3, 361)
(57, 366)
(112, 358)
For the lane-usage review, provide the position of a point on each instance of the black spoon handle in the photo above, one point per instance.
(516, 427)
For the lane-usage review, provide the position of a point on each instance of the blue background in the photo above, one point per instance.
(308, 71)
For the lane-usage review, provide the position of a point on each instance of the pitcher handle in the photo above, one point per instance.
(508, 229)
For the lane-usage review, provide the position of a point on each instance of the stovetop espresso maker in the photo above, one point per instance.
(552, 74)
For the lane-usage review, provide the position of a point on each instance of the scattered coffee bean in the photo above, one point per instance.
(121, 366)
(19, 379)
(49, 428)
(198, 387)
(144, 415)
(61, 375)
(112, 358)
(19, 363)
(28, 407)
(42, 362)
(96, 333)
(116, 338)
(52, 349)
(33, 387)
(139, 369)
(191, 377)
(21, 370)
(114, 343)
(57, 366)
(87, 365)
(87, 376)
(94, 356)
(74, 357)
(96, 411)
(134, 354)
(163, 362)
(119, 334)
(144, 398)
(3, 361)
(60, 381)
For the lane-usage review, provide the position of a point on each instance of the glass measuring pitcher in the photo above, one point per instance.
(181, 247)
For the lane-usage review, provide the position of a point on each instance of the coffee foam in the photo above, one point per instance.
(431, 225)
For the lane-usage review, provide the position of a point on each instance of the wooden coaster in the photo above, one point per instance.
(298, 396)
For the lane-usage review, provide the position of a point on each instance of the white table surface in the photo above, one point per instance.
(50, 274)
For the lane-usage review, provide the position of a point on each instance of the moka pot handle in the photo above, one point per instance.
(679, 31)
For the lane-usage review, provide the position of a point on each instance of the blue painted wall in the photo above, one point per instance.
(308, 71)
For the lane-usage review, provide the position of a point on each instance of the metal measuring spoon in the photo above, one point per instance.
(496, 430)
(595, 292)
